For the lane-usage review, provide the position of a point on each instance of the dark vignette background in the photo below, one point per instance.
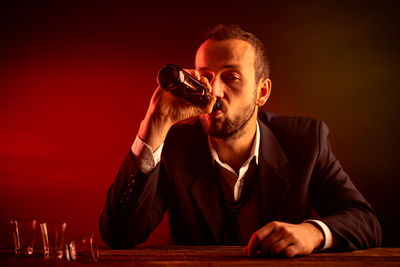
(76, 78)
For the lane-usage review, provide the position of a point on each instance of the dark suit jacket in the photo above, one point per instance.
(297, 173)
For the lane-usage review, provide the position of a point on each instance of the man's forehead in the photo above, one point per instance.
(213, 53)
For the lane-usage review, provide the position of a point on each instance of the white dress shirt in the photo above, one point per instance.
(233, 179)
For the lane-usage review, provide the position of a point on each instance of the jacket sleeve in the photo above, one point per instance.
(134, 206)
(341, 206)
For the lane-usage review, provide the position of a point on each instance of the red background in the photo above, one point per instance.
(76, 78)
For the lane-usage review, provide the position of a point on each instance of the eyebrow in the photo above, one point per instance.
(224, 67)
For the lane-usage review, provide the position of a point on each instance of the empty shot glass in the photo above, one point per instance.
(84, 250)
(23, 232)
(53, 239)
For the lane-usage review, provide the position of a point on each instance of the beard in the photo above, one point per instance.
(230, 127)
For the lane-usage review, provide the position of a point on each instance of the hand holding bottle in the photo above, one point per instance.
(167, 107)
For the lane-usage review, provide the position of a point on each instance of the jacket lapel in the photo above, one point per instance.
(204, 187)
(273, 185)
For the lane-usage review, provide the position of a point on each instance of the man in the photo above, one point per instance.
(235, 175)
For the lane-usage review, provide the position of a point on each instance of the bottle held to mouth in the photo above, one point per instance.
(182, 84)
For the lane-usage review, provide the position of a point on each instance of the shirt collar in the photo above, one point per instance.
(253, 153)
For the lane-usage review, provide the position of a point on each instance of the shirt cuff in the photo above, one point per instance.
(146, 158)
(326, 232)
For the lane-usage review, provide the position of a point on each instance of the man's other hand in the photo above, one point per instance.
(284, 239)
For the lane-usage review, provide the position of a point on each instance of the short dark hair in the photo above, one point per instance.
(232, 31)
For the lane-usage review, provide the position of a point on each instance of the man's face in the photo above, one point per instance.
(229, 67)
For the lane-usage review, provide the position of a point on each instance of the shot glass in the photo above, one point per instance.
(53, 239)
(24, 236)
(84, 250)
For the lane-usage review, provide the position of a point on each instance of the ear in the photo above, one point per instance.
(264, 92)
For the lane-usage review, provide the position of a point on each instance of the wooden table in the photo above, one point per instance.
(212, 256)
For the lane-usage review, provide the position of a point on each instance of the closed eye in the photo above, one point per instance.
(231, 77)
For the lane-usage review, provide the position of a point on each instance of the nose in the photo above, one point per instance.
(217, 87)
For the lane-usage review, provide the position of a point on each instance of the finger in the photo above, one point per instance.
(210, 104)
(279, 247)
(204, 80)
(193, 72)
(257, 238)
(157, 94)
(290, 251)
(270, 241)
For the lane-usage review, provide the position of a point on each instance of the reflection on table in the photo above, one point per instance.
(211, 256)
